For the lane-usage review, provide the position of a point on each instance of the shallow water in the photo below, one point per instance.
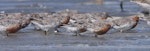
(31, 39)
(57, 5)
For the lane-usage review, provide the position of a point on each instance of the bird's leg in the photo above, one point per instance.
(7, 34)
(121, 5)
(45, 32)
(95, 35)
(76, 34)
(121, 31)
(79, 34)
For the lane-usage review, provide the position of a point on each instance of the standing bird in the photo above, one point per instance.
(75, 24)
(75, 28)
(49, 27)
(12, 29)
(11, 23)
(49, 22)
(98, 28)
(126, 23)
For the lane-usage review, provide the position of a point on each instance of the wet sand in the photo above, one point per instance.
(137, 39)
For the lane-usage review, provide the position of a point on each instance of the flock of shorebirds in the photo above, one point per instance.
(69, 20)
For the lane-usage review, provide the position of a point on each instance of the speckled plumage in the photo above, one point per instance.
(126, 23)
(49, 22)
(80, 23)
(13, 22)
